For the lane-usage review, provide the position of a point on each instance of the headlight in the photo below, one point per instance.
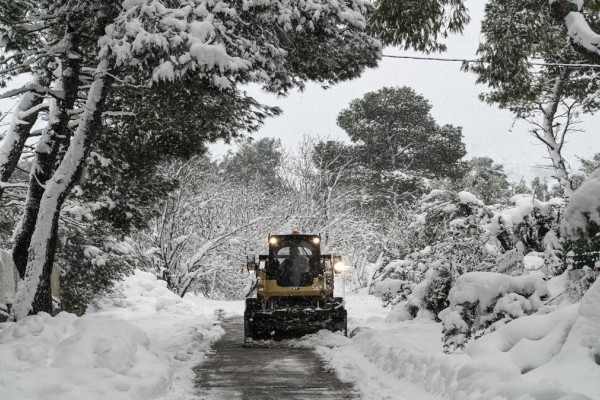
(273, 240)
(339, 267)
(316, 240)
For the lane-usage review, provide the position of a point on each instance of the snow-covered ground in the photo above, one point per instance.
(143, 342)
(404, 360)
(139, 344)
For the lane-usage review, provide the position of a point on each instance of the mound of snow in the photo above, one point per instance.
(450, 377)
(527, 342)
(66, 357)
(577, 366)
(142, 342)
(142, 293)
(484, 287)
(405, 360)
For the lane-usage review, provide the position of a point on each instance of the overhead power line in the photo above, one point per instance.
(463, 60)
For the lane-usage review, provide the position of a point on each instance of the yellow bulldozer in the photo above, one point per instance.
(294, 290)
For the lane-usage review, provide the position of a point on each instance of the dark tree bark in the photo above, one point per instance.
(43, 296)
(20, 128)
(33, 295)
(56, 136)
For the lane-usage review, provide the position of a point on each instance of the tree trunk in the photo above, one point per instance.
(55, 136)
(11, 147)
(31, 296)
(554, 140)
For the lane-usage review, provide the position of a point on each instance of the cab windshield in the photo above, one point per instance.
(293, 262)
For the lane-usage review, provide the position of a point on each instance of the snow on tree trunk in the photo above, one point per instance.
(554, 140)
(54, 137)
(31, 296)
(11, 146)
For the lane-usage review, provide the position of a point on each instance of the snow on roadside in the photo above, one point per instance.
(577, 365)
(141, 343)
(404, 360)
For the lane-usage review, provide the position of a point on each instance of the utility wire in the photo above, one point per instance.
(462, 60)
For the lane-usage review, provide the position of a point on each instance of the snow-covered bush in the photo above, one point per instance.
(581, 227)
(90, 264)
(460, 232)
(562, 345)
(432, 293)
(527, 343)
(448, 234)
(480, 302)
(392, 291)
(527, 225)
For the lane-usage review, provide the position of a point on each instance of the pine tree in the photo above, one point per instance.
(398, 145)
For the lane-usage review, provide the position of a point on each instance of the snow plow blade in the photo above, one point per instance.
(291, 324)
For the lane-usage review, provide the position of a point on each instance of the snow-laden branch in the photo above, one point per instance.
(12, 145)
(212, 243)
(583, 38)
(33, 88)
(118, 114)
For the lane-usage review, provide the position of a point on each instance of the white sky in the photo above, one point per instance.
(487, 130)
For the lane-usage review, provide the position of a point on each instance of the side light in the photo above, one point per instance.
(316, 240)
(272, 240)
(339, 267)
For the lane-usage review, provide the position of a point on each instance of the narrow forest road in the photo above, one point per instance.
(236, 372)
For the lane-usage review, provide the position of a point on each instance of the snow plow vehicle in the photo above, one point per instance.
(294, 290)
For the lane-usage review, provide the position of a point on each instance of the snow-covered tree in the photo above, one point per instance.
(485, 179)
(548, 97)
(205, 228)
(151, 41)
(399, 146)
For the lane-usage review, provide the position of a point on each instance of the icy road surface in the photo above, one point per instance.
(278, 372)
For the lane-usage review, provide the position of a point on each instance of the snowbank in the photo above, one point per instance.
(486, 301)
(140, 343)
(405, 359)
(67, 357)
(577, 365)
(526, 343)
